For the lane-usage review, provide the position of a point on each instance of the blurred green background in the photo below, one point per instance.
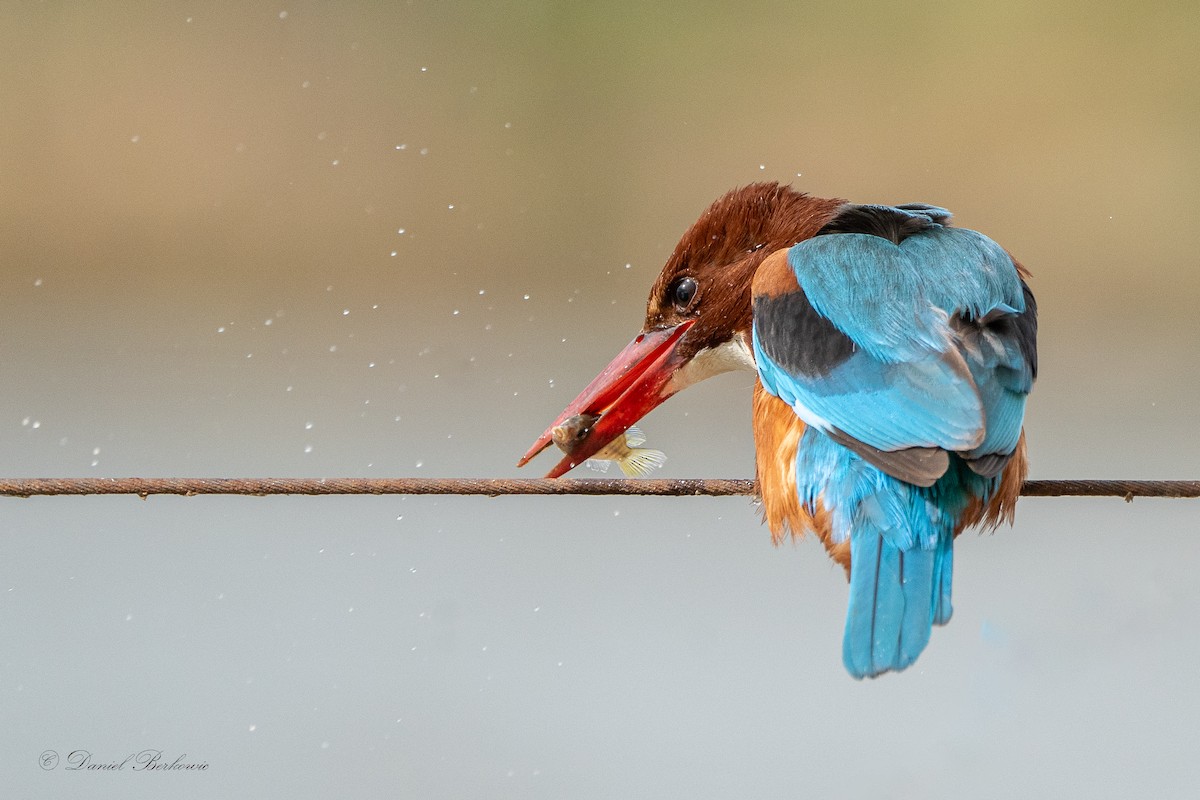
(386, 239)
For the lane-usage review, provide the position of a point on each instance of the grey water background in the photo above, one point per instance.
(390, 239)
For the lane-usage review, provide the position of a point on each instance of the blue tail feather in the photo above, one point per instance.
(943, 574)
(901, 549)
(891, 608)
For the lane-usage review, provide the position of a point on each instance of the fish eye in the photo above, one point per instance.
(682, 293)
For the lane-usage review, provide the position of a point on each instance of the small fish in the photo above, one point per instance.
(634, 461)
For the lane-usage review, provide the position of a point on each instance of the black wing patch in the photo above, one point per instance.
(796, 337)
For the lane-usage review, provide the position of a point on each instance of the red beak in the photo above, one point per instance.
(624, 392)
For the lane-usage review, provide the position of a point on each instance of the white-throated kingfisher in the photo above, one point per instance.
(894, 354)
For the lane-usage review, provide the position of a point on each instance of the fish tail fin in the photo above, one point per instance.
(641, 462)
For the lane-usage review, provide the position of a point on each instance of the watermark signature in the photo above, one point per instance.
(148, 760)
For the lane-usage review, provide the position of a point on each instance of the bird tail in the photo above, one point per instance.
(900, 583)
(901, 548)
(896, 596)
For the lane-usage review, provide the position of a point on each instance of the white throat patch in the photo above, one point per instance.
(726, 357)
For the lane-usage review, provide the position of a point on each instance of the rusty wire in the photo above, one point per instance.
(492, 487)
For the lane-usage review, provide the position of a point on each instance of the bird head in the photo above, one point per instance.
(698, 315)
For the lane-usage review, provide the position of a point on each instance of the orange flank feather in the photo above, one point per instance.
(1003, 505)
(777, 432)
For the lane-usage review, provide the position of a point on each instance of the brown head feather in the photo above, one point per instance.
(722, 251)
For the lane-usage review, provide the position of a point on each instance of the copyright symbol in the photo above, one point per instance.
(48, 759)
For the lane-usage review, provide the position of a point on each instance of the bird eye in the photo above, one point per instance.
(683, 292)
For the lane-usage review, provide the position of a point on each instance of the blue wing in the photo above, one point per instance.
(899, 341)
(913, 341)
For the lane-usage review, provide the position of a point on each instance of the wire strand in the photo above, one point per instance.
(493, 487)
